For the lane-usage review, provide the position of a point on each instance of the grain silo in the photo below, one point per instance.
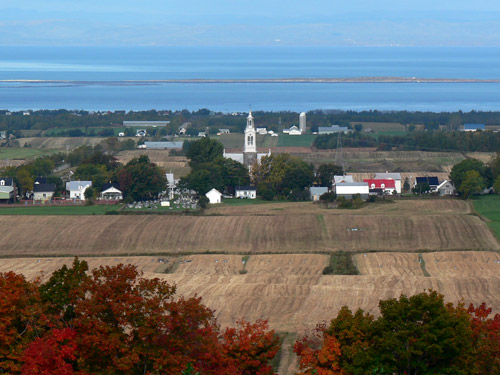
(302, 122)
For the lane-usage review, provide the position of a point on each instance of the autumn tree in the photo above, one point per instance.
(251, 347)
(53, 354)
(486, 339)
(20, 319)
(319, 354)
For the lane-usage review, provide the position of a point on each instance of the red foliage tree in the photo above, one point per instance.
(53, 354)
(129, 324)
(251, 347)
(486, 339)
(319, 354)
(20, 318)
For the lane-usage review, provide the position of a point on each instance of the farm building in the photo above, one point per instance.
(473, 127)
(433, 182)
(111, 192)
(163, 145)
(317, 191)
(7, 190)
(223, 131)
(446, 188)
(332, 129)
(349, 189)
(390, 176)
(214, 196)
(381, 187)
(77, 189)
(292, 131)
(341, 179)
(43, 192)
(249, 192)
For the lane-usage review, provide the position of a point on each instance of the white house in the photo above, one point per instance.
(111, 192)
(390, 176)
(43, 192)
(249, 192)
(348, 189)
(446, 188)
(77, 189)
(261, 131)
(214, 196)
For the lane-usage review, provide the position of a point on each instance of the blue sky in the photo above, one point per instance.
(251, 22)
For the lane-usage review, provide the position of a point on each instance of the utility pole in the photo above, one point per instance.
(339, 153)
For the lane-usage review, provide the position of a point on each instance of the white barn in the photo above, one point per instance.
(348, 189)
(77, 189)
(214, 196)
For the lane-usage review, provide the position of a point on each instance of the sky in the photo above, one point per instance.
(250, 22)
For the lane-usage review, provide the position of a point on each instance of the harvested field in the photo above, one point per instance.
(289, 290)
(388, 264)
(60, 142)
(460, 264)
(407, 225)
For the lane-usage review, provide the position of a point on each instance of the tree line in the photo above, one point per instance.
(79, 123)
(479, 141)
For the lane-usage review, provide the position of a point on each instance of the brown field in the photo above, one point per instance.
(412, 162)
(60, 142)
(290, 290)
(407, 225)
(177, 164)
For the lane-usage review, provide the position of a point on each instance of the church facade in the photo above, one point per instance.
(250, 153)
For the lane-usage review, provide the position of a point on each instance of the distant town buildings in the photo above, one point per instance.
(474, 127)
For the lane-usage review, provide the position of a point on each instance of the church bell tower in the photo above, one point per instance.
(250, 149)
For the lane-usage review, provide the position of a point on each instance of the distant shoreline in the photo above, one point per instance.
(260, 80)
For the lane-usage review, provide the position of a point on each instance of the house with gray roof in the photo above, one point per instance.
(77, 189)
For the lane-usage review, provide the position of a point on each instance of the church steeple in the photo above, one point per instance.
(250, 135)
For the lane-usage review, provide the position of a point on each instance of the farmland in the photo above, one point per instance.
(268, 260)
(489, 207)
(424, 225)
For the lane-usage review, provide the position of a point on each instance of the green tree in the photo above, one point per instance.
(25, 180)
(406, 185)
(205, 150)
(97, 173)
(421, 188)
(140, 179)
(358, 127)
(422, 335)
(325, 173)
(496, 185)
(282, 176)
(60, 294)
(471, 184)
(459, 170)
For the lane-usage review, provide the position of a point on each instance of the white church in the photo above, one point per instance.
(250, 153)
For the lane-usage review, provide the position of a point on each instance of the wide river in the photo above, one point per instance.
(127, 78)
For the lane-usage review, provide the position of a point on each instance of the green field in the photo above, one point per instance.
(24, 152)
(306, 140)
(489, 207)
(244, 202)
(17, 209)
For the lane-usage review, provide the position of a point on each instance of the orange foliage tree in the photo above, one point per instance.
(319, 354)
